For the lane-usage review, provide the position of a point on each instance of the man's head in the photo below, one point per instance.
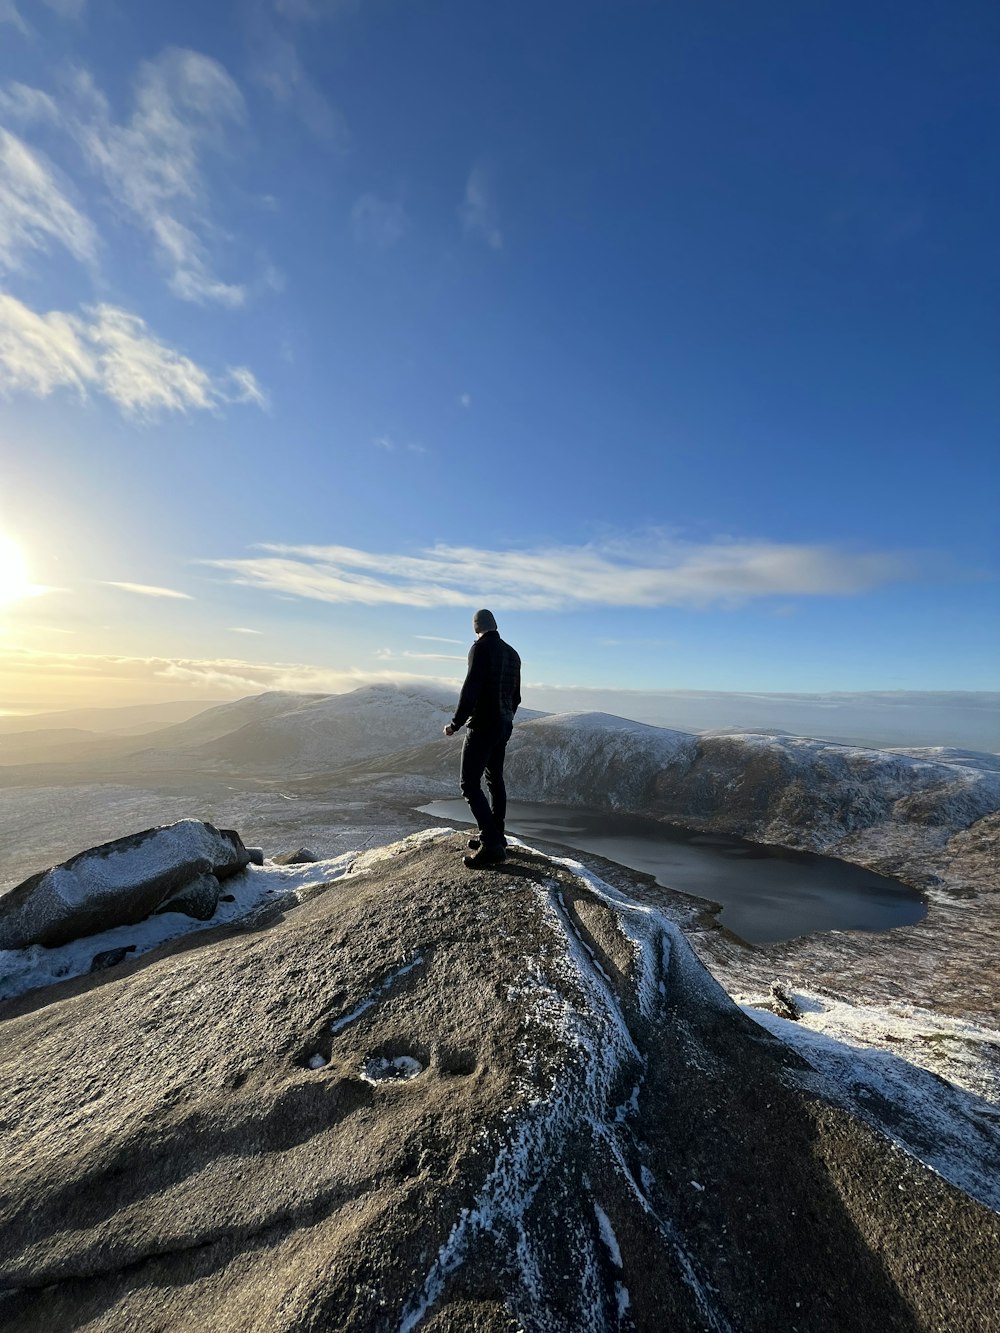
(483, 620)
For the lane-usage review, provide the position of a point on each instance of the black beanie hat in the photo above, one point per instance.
(483, 620)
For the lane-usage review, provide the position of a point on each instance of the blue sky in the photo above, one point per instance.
(669, 332)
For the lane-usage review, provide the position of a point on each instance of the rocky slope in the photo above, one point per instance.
(422, 1099)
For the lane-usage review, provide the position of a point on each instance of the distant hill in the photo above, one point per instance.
(222, 719)
(969, 719)
(324, 731)
(276, 732)
(131, 720)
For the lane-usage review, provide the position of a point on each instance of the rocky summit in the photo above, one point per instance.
(421, 1097)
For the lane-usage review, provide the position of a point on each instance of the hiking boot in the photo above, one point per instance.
(476, 843)
(486, 856)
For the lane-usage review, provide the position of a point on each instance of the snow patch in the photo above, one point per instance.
(879, 1063)
(380, 1069)
(23, 970)
(608, 1235)
(373, 996)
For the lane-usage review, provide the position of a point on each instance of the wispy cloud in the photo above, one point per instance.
(9, 13)
(380, 223)
(29, 105)
(35, 212)
(390, 446)
(185, 106)
(155, 164)
(242, 629)
(112, 352)
(67, 9)
(389, 655)
(278, 68)
(148, 590)
(32, 678)
(436, 638)
(465, 399)
(478, 211)
(649, 573)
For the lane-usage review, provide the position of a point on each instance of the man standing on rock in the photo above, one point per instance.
(488, 702)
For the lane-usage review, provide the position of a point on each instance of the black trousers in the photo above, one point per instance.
(483, 752)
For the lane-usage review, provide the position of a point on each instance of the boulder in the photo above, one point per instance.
(440, 1100)
(300, 857)
(111, 957)
(120, 883)
(198, 898)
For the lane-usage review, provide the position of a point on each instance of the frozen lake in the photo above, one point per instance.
(767, 894)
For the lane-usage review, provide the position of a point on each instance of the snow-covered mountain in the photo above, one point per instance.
(892, 810)
(328, 730)
(289, 734)
(277, 732)
(223, 719)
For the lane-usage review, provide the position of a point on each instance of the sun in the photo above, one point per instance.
(14, 580)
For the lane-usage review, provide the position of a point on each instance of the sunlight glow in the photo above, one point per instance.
(14, 581)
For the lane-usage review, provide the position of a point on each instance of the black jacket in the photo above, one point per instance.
(492, 689)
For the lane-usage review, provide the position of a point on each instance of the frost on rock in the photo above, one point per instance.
(883, 1065)
(383, 1069)
(256, 889)
(440, 1096)
(593, 1102)
(119, 882)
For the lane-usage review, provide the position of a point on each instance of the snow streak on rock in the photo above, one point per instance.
(583, 1014)
(375, 995)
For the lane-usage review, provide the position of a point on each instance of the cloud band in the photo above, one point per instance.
(558, 578)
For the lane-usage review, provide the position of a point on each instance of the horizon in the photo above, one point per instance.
(322, 324)
(968, 720)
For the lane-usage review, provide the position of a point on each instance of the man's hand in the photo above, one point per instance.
(449, 730)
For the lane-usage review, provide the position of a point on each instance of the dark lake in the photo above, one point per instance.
(767, 894)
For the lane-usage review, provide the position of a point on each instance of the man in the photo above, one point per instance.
(488, 702)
